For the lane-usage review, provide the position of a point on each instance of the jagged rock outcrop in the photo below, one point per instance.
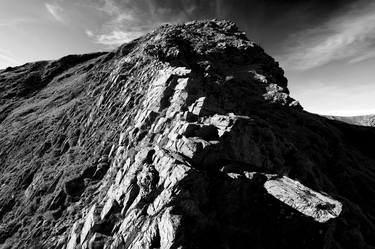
(184, 138)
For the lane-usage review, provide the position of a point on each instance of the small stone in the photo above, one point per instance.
(97, 241)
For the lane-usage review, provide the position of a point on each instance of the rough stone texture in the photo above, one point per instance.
(322, 208)
(175, 141)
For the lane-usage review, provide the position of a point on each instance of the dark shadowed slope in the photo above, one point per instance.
(184, 138)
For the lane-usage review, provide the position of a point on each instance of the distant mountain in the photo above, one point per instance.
(363, 120)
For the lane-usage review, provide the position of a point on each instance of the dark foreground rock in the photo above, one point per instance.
(184, 138)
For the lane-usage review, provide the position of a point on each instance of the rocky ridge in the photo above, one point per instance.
(184, 138)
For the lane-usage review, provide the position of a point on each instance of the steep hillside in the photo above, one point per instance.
(184, 138)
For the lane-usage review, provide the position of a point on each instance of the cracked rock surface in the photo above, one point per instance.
(184, 138)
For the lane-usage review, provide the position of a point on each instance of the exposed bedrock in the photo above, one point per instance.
(184, 138)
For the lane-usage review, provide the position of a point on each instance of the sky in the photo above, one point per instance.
(327, 48)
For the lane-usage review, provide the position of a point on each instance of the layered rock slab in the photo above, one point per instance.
(311, 203)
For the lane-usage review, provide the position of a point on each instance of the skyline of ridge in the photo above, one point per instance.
(326, 48)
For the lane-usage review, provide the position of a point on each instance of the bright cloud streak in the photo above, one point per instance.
(117, 37)
(56, 11)
(6, 60)
(131, 19)
(350, 36)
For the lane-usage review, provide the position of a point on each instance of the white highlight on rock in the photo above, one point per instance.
(311, 203)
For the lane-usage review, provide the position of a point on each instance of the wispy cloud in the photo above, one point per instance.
(349, 36)
(365, 56)
(130, 19)
(89, 33)
(56, 11)
(7, 59)
(117, 37)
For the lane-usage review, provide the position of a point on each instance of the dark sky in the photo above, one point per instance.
(326, 47)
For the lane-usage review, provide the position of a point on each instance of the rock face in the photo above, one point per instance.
(184, 138)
